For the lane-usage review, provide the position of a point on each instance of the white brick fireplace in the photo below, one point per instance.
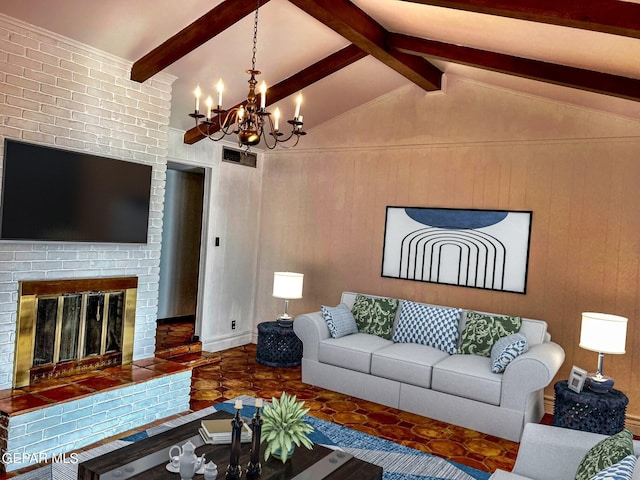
(54, 91)
(57, 92)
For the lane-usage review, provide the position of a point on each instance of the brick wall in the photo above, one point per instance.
(68, 426)
(54, 91)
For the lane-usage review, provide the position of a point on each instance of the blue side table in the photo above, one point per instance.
(602, 413)
(278, 346)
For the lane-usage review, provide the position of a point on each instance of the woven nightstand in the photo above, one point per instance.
(602, 413)
(278, 346)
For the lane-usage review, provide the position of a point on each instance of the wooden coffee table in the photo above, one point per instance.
(147, 459)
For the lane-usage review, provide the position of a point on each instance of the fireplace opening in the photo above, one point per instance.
(67, 327)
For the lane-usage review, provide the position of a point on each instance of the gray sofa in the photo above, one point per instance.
(458, 389)
(553, 453)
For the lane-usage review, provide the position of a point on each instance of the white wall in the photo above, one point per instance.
(231, 213)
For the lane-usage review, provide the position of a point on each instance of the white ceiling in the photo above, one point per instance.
(290, 40)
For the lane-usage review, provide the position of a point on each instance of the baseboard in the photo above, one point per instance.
(632, 422)
(226, 342)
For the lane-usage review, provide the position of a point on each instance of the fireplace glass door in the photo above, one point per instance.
(77, 326)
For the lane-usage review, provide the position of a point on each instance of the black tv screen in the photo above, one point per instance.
(56, 195)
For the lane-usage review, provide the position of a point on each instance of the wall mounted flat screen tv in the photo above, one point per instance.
(56, 195)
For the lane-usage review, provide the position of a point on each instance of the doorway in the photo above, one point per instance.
(180, 255)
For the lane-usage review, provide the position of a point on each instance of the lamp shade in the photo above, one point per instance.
(287, 285)
(603, 333)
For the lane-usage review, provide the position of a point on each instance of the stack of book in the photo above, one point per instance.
(218, 431)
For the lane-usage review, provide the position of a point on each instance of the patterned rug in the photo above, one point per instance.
(399, 462)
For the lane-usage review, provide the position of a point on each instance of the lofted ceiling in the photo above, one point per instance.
(342, 54)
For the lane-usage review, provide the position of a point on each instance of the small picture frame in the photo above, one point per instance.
(576, 379)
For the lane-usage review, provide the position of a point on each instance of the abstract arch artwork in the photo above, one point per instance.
(472, 248)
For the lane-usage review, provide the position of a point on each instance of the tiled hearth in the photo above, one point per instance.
(63, 414)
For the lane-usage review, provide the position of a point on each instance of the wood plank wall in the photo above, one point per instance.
(323, 214)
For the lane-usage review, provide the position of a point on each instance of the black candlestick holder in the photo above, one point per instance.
(234, 470)
(254, 469)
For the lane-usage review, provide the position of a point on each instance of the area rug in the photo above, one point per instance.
(399, 462)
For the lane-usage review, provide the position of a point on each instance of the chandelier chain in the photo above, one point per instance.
(255, 37)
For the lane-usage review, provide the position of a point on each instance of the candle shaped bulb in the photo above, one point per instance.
(220, 89)
(298, 103)
(238, 405)
(197, 92)
(263, 95)
(209, 103)
(258, 403)
(241, 113)
(276, 116)
(300, 120)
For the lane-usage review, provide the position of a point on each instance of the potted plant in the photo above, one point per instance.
(284, 427)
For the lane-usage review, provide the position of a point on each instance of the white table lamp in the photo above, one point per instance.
(602, 333)
(287, 285)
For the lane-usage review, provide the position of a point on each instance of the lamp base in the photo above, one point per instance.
(285, 320)
(599, 383)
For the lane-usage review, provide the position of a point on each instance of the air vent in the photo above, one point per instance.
(238, 157)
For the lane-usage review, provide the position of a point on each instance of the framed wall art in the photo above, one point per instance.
(486, 249)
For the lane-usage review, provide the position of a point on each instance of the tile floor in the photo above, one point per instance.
(235, 372)
(224, 375)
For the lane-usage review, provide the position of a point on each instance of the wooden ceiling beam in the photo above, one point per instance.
(295, 83)
(606, 16)
(573, 77)
(191, 37)
(359, 28)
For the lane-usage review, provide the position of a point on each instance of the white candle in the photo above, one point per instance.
(241, 113)
(238, 405)
(209, 103)
(263, 95)
(300, 120)
(197, 92)
(220, 88)
(298, 103)
(276, 116)
(258, 403)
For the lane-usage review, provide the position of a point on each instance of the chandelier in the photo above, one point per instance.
(248, 121)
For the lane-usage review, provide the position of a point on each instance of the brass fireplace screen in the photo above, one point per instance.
(66, 327)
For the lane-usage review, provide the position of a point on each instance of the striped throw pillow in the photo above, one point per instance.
(623, 470)
(506, 349)
(339, 320)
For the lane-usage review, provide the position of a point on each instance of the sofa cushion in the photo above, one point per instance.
(605, 453)
(339, 320)
(375, 315)
(482, 330)
(352, 352)
(534, 330)
(406, 362)
(623, 470)
(428, 325)
(467, 376)
(506, 349)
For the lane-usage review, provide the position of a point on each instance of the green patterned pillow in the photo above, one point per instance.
(605, 453)
(482, 330)
(375, 315)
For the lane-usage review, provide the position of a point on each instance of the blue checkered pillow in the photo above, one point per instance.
(433, 326)
(623, 470)
(506, 349)
(339, 320)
